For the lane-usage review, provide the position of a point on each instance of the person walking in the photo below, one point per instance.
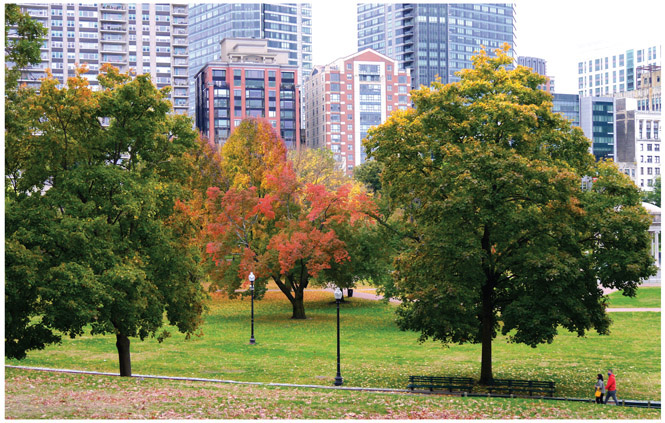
(600, 389)
(611, 387)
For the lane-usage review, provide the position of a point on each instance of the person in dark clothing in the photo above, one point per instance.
(600, 389)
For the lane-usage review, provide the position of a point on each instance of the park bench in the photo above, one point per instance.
(464, 384)
(514, 385)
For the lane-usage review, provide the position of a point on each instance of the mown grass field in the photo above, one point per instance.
(42, 395)
(375, 353)
(648, 297)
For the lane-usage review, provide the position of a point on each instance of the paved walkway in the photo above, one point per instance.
(369, 296)
(374, 297)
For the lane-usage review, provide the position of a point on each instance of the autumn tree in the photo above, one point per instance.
(498, 233)
(270, 223)
(87, 238)
(369, 257)
(317, 166)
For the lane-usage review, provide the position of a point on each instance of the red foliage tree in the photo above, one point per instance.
(271, 224)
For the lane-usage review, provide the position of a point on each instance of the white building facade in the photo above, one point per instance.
(604, 75)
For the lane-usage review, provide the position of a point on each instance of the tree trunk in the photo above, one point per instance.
(298, 304)
(122, 343)
(487, 326)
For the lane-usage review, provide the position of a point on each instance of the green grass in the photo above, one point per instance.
(374, 352)
(648, 297)
(44, 395)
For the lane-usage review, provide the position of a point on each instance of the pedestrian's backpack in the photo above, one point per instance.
(597, 392)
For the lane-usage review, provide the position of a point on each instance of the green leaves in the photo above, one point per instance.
(488, 179)
(89, 215)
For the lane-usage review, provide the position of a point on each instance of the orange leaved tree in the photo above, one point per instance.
(270, 223)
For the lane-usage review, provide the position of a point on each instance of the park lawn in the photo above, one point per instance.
(647, 296)
(31, 394)
(374, 352)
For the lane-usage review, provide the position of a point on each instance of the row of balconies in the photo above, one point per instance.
(114, 6)
(179, 11)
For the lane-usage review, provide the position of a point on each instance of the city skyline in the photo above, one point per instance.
(562, 33)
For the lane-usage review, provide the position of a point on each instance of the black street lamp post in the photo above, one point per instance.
(251, 287)
(338, 379)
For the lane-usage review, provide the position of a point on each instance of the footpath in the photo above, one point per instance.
(622, 402)
(375, 297)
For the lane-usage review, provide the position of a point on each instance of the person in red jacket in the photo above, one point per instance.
(611, 387)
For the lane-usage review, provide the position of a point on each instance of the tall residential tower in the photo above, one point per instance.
(249, 80)
(434, 39)
(347, 97)
(143, 37)
(286, 27)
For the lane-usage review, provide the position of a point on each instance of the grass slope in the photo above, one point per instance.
(42, 395)
(647, 296)
(374, 352)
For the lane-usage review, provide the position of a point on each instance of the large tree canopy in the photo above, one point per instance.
(87, 209)
(499, 233)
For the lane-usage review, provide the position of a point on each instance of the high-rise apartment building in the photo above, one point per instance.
(603, 75)
(638, 129)
(287, 27)
(597, 122)
(143, 37)
(434, 39)
(250, 80)
(348, 96)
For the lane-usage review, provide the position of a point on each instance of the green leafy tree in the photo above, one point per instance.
(653, 196)
(88, 236)
(23, 47)
(369, 173)
(498, 234)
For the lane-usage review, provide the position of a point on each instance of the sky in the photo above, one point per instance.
(563, 32)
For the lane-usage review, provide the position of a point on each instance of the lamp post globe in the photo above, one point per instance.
(252, 341)
(338, 378)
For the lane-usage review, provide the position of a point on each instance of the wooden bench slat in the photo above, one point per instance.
(448, 382)
(519, 385)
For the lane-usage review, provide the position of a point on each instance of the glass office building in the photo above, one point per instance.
(597, 118)
(435, 39)
(568, 105)
(285, 26)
